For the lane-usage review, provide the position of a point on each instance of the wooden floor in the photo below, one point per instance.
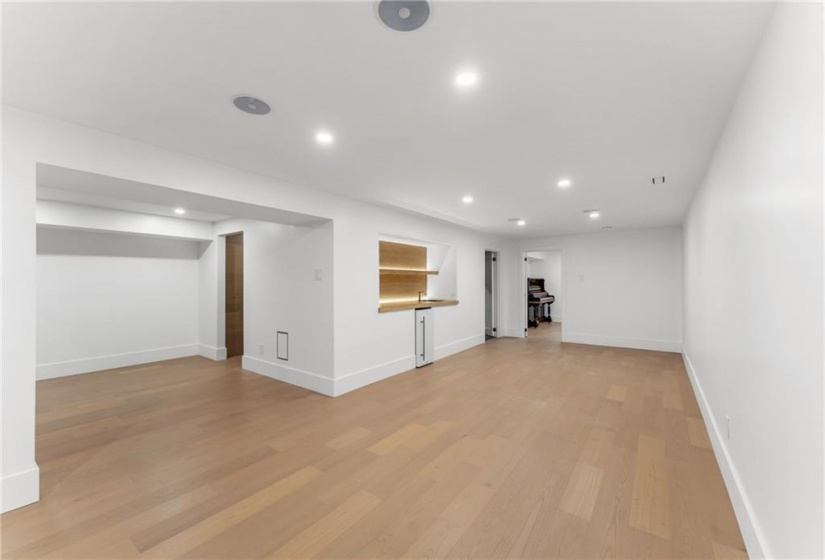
(516, 448)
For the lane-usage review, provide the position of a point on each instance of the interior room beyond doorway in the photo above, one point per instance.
(544, 290)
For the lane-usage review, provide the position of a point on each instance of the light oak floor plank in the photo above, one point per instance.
(515, 448)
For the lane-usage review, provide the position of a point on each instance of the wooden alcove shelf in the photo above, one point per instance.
(412, 271)
(404, 305)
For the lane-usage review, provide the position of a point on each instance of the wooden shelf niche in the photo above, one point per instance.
(402, 270)
(403, 274)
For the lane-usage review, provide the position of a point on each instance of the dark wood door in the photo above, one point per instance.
(234, 295)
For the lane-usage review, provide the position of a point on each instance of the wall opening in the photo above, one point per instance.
(234, 293)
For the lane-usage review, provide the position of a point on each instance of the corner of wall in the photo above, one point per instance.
(300, 378)
(19, 489)
(752, 534)
(211, 352)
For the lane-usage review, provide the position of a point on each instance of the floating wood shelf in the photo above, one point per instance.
(413, 304)
(406, 271)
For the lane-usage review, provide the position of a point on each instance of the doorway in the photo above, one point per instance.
(234, 295)
(543, 285)
(490, 294)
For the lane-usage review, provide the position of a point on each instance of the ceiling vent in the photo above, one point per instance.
(658, 180)
(404, 15)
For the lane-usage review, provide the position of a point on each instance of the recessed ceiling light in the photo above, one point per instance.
(325, 138)
(592, 213)
(467, 199)
(521, 223)
(251, 105)
(466, 79)
(564, 183)
(180, 211)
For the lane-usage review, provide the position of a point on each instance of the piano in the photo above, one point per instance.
(538, 302)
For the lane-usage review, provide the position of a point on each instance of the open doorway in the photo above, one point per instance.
(490, 294)
(543, 281)
(234, 295)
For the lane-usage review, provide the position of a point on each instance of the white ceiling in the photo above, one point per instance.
(90, 189)
(606, 94)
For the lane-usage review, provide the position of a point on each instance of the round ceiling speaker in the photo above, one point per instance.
(404, 15)
(251, 105)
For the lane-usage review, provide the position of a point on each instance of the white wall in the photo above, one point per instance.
(621, 288)
(106, 301)
(282, 293)
(754, 292)
(548, 266)
(367, 346)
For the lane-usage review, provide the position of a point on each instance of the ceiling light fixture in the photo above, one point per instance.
(521, 223)
(180, 211)
(404, 15)
(564, 183)
(467, 199)
(324, 137)
(466, 79)
(251, 105)
(592, 213)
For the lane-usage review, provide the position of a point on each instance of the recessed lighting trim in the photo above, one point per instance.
(467, 199)
(564, 183)
(593, 214)
(466, 79)
(251, 105)
(180, 211)
(324, 137)
(521, 222)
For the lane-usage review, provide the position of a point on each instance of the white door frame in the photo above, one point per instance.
(495, 299)
(523, 275)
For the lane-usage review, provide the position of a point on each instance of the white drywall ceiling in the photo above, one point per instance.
(608, 94)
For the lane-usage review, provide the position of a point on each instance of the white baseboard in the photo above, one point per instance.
(212, 352)
(19, 489)
(517, 332)
(624, 342)
(305, 379)
(751, 532)
(458, 346)
(100, 363)
(358, 379)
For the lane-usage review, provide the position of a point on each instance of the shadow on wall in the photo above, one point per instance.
(54, 241)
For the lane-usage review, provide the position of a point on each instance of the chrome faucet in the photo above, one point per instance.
(419, 296)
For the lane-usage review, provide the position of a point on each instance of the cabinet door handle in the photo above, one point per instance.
(423, 336)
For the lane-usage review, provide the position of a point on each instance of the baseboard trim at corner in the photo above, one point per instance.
(624, 342)
(212, 352)
(358, 379)
(297, 377)
(19, 489)
(101, 363)
(458, 346)
(752, 534)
